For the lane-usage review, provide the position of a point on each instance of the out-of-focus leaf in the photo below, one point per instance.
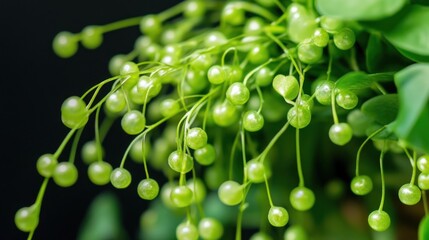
(408, 30)
(359, 9)
(412, 122)
(383, 108)
(424, 228)
(103, 220)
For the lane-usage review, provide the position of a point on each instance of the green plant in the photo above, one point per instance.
(240, 104)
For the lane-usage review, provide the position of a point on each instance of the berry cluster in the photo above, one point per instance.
(206, 96)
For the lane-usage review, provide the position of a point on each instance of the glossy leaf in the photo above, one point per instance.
(407, 30)
(383, 108)
(359, 9)
(414, 56)
(412, 123)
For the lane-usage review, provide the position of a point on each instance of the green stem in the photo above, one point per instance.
(298, 159)
(75, 145)
(363, 144)
(414, 174)
(273, 141)
(334, 110)
(383, 185)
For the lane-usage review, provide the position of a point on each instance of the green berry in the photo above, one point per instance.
(278, 216)
(120, 178)
(91, 151)
(238, 93)
(151, 25)
(302, 198)
(299, 117)
(253, 121)
(286, 86)
(423, 163)
(92, 37)
(233, 15)
(340, 133)
(346, 99)
(225, 114)
(99, 172)
(423, 181)
(74, 113)
(205, 155)
(295, 232)
(133, 122)
(255, 171)
(210, 228)
(196, 138)
(320, 37)
(65, 174)
(148, 189)
(344, 39)
(27, 218)
(180, 162)
(379, 220)
(186, 231)
(46, 165)
(198, 189)
(181, 196)
(309, 53)
(361, 185)
(230, 193)
(65, 44)
(323, 92)
(409, 194)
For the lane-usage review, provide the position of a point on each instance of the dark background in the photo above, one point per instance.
(34, 83)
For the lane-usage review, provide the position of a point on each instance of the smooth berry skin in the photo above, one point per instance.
(255, 171)
(295, 232)
(230, 193)
(238, 93)
(344, 39)
(196, 138)
(99, 172)
(181, 196)
(299, 117)
(92, 37)
(216, 74)
(74, 113)
(423, 181)
(423, 164)
(253, 121)
(323, 92)
(133, 122)
(120, 178)
(90, 152)
(233, 15)
(302, 198)
(205, 155)
(320, 37)
(148, 189)
(361, 185)
(379, 220)
(65, 174)
(46, 165)
(409, 194)
(286, 86)
(27, 218)
(210, 228)
(186, 231)
(151, 25)
(346, 99)
(169, 107)
(309, 53)
(278, 216)
(180, 162)
(340, 133)
(65, 44)
(224, 114)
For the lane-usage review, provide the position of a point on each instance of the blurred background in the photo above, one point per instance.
(35, 82)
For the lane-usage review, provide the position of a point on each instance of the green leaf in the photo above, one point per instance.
(424, 228)
(383, 108)
(360, 80)
(102, 220)
(373, 52)
(408, 30)
(412, 122)
(414, 56)
(353, 81)
(359, 9)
